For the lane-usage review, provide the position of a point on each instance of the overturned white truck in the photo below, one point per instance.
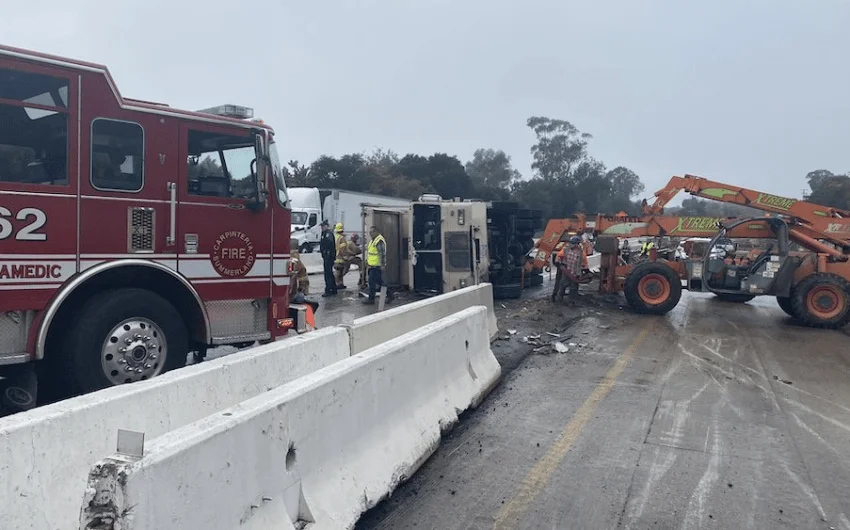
(437, 246)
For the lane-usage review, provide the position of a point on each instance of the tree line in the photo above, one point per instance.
(566, 179)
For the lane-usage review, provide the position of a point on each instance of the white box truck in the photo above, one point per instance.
(310, 206)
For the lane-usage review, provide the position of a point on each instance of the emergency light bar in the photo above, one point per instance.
(230, 111)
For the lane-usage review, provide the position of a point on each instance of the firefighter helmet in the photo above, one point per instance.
(338, 228)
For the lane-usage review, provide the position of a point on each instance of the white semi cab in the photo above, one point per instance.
(306, 217)
(310, 206)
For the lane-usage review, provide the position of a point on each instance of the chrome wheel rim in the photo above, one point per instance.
(134, 350)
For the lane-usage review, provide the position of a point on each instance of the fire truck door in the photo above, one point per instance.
(38, 189)
(223, 245)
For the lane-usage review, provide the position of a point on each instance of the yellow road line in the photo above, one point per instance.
(511, 513)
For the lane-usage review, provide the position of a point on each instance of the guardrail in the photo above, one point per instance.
(47, 452)
(380, 327)
(322, 449)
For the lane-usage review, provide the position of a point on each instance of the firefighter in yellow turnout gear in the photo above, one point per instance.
(299, 286)
(300, 282)
(341, 255)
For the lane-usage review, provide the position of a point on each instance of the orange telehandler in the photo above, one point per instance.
(810, 282)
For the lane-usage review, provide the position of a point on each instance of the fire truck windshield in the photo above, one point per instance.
(280, 184)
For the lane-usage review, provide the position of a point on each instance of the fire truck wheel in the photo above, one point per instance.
(786, 305)
(822, 301)
(734, 298)
(122, 336)
(653, 288)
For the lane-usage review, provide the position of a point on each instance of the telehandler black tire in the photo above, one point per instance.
(786, 305)
(822, 301)
(653, 288)
(735, 298)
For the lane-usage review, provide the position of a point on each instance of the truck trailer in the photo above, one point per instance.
(310, 206)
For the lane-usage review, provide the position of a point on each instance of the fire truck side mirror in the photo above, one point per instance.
(259, 202)
(259, 171)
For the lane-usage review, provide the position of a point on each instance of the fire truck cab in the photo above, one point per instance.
(131, 233)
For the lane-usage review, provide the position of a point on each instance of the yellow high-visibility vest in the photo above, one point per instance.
(373, 257)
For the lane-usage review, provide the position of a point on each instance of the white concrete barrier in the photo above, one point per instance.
(46, 453)
(377, 328)
(321, 449)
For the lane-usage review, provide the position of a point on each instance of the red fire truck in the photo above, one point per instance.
(131, 233)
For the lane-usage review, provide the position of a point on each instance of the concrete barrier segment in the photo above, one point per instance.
(321, 449)
(377, 328)
(46, 453)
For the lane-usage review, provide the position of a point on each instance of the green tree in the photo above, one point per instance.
(568, 180)
(694, 206)
(385, 160)
(818, 177)
(438, 173)
(491, 173)
(829, 189)
(386, 178)
(559, 148)
(295, 174)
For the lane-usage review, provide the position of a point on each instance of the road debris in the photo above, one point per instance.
(556, 335)
(511, 332)
(559, 347)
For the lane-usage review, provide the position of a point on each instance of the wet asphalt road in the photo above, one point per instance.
(717, 415)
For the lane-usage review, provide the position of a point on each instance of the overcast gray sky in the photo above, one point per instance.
(747, 92)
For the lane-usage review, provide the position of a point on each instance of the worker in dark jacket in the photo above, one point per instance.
(327, 246)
